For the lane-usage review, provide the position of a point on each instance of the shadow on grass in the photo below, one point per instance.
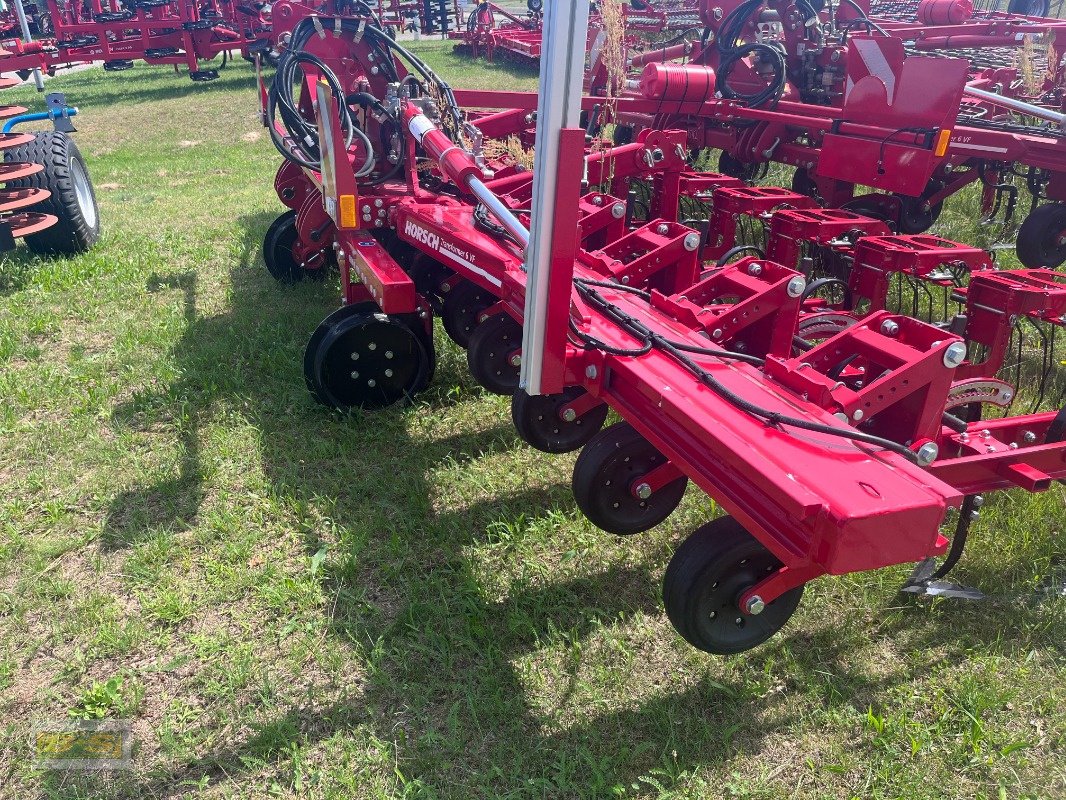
(446, 686)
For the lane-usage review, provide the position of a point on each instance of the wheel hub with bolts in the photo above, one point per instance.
(360, 358)
(608, 483)
(705, 581)
(462, 308)
(538, 420)
(492, 354)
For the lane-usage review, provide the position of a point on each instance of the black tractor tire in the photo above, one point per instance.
(73, 200)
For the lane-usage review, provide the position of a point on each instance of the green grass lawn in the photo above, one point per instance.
(286, 602)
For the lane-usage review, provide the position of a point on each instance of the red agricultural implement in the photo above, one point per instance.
(493, 32)
(826, 389)
(46, 196)
(156, 31)
(791, 68)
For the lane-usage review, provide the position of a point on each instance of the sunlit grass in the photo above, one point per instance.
(407, 604)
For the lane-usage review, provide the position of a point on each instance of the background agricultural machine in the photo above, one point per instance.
(47, 196)
(495, 32)
(842, 391)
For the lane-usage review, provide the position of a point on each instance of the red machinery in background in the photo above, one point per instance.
(157, 31)
(494, 32)
(810, 389)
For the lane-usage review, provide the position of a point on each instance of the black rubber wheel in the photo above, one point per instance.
(804, 184)
(1029, 8)
(492, 354)
(735, 168)
(913, 216)
(1042, 237)
(462, 309)
(73, 200)
(203, 75)
(703, 584)
(365, 359)
(623, 134)
(277, 252)
(603, 480)
(536, 417)
(428, 275)
(118, 65)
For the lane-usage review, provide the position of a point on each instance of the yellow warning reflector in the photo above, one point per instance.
(349, 218)
(942, 140)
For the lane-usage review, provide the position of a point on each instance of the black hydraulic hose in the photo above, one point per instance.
(639, 331)
(772, 92)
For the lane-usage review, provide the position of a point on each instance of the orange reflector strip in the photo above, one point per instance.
(348, 215)
(942, 140)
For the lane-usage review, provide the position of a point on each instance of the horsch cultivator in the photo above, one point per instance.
(827, 391)
(156, 31)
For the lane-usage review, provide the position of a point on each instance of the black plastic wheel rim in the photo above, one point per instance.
(1041, 238)
(717, 624)
(368, 361)
(492, 355)
(604, 476)
(537, 420)
(461, 310)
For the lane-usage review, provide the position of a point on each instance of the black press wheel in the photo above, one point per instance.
(462, 308)
(360, 358)
(916, 214)
(705, 580)
(540, 423)
(604, 482)
(281, 263)
(735, 168)
(493, 354)
(1042, 237)
(72, 199)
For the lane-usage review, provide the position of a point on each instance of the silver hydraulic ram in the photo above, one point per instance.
(1017, 105)
(457, 164)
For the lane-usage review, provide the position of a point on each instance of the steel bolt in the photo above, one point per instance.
(662, 230)
(889, 328)
(618, 210)
(591, 372)
(569, 415)
(954, 355)
(643, 491)
(597, 200)
(927, 454)
(388, 373)
(388, 354)
(978, 501)
(755, 269)
(371, 383)
(755, 605)
(716, 333)
(355, 376)
(516, 360)
(858, 415)
(377, 203)
(355, 356)
(692, 241)
(372, 346)
(1029, 437)
(797, 286)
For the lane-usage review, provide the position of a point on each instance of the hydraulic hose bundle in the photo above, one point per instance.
(300, 145)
